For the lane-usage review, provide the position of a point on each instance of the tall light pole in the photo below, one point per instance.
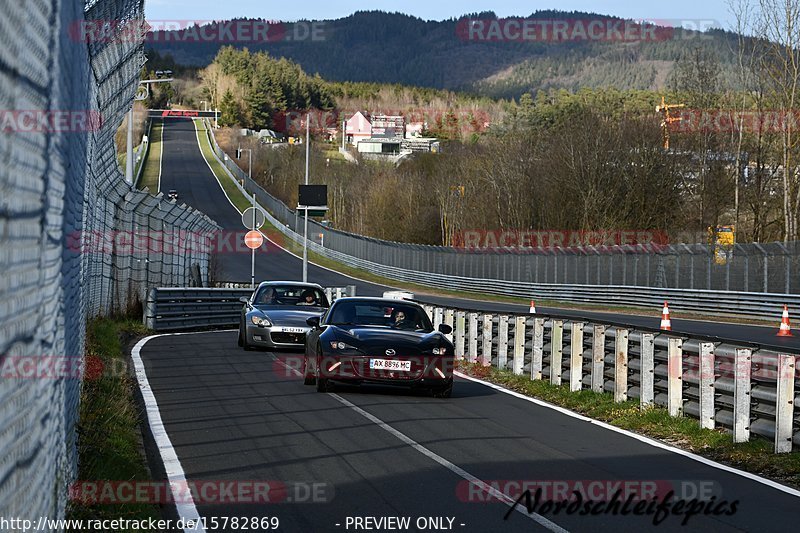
(305, 224)
(250, 176)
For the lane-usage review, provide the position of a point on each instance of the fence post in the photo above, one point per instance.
(675, 377)
(502, 342)
(519, 345)
(338, 292)
(741, 394)
(538, 348)
(448, 320)
(598, 357)
(461, 323)
(438, 314)
(576, 357)
(706, 367)
(472, 355)
(784, 404)
(351, 290)
(556, 351)
(486, 345)
(621, 365)
(647, 372)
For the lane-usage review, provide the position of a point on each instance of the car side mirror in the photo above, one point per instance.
(244, 300)
(445, 329)
(313, 321)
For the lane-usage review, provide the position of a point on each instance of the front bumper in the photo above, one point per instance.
(425, 372)
(276, 336)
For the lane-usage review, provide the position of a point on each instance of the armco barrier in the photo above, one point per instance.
(171, 309)
(757, 305)
(737, 387)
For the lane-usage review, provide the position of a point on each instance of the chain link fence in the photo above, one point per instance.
(771, 267)
(69, 228)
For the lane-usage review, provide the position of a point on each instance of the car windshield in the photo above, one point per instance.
(290, 296)
(386, 314)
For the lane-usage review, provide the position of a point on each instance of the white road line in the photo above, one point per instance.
(641, 438)
(539, 519)
(184, 504)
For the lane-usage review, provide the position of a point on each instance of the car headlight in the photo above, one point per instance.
(339, 345)
(261, 321)
(439, 351)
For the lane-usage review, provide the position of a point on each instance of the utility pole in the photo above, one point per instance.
(305, 224)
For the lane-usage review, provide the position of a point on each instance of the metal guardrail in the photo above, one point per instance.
(172, 309)
(736, 387)
(756, 305)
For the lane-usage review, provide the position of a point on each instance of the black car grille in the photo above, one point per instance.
(288, 338)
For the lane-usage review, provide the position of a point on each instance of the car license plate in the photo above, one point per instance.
(292, 330)
(389, 364)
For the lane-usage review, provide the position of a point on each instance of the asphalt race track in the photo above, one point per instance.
(236, 415)
(333, 458)
(185, 170)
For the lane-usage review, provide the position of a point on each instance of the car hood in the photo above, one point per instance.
(403, 341)
(288, 316)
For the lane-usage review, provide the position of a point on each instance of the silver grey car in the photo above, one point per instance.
(275, 314)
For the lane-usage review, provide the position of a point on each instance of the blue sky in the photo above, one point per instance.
(688, 10)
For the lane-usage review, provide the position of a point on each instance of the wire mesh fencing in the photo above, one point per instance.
(76, 241)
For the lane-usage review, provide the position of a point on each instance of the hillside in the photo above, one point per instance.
(395, 48)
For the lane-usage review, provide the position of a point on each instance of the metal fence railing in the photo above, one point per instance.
(172, 309)
(69, 225)
(735, 387)
(758, 305)
(770, 267)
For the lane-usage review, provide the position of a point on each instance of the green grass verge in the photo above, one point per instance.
(109, 439)
(755, 456)
(239, 200)
(152, 161)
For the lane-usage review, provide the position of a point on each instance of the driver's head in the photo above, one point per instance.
(308, 296)
(399, 316)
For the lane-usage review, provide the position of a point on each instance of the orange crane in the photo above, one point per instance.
(664, 109)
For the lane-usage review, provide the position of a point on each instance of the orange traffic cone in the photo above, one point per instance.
(533, 308)
(786, 329)
(666, 323)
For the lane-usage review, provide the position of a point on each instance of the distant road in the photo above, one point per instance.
(185, 170)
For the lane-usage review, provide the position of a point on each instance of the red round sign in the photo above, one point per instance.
(253, 239)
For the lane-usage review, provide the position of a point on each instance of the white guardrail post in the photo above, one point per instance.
(556, 351)
(519, 345)
(472, 354)
(706, 384)
(598, 357)
(675, 377)
(438, 316)
(502, 342)
(538, 348)
(741, 394)
(621, 365)
(486, 345)
(647, 371)
(448, 320)
(461, 326)
(784, 404)
(576, 357)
